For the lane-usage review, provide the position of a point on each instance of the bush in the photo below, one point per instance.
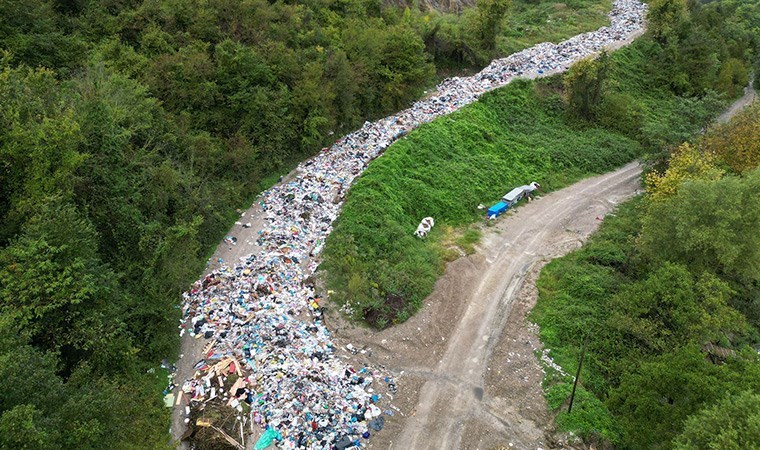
(589, 419)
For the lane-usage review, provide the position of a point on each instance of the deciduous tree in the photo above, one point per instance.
(731, 424)
(709, 225)
(738, 142)
(584, 86)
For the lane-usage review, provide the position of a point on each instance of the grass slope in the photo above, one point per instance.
(530, 23)
(444, 169)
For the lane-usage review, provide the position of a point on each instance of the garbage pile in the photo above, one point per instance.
(266, 333)
(269, 354)
(424, 227)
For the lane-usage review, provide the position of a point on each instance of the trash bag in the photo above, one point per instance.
(377, 424)
(343, 443)
(266, 439)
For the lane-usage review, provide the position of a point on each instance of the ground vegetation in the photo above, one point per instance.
(666, 294)
(601, 114)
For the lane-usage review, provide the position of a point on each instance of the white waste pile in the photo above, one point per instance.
(262, 317)
(424, 227)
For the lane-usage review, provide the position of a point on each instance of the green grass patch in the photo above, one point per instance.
(530, 23)
(468, 239)
(444, 170)
(574, 292)
(589, 419)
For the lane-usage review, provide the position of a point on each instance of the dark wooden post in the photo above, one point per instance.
(578, 373)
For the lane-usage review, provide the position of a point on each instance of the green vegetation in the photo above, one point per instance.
(444, 170)
(129, 133)
(731, 424)
(469, 238)
(667, 292)
(585, 86)
(501, 27)
(533, 21)
(602, 114)
(590, 418)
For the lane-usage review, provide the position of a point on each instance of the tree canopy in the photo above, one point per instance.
(669, 290)
(731, 424)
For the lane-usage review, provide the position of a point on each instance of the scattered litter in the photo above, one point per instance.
(519, 193)
(424, 227)
(266, 439)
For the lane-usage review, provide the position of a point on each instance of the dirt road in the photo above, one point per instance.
(541, 230)
(464, 381)
(747, 99)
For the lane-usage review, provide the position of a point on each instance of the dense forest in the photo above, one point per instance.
(638, 102)
(668, 296)
(130, 131)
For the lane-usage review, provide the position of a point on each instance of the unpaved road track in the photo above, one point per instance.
(454, 396)
(749, 97)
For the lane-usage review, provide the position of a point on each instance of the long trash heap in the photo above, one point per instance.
(263, 318)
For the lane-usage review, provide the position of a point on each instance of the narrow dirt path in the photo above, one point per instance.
(750, 96)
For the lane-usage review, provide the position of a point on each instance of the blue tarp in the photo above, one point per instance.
(497, 209)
